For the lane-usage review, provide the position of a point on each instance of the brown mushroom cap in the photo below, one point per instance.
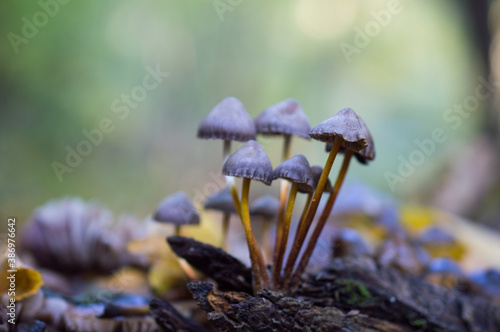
(365, 155)
(284, 118)
(266, 206)
(228, 120)
(251, 162)
(297, 170)
(316, 172)
(221, 201)
(177, 209)
(345, 124)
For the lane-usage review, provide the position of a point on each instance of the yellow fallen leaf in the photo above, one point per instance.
(26, 281)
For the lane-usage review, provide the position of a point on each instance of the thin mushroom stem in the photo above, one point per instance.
(285, 231)
(225, 228)
(231, 183)
(257, 273)
(306, 256)
(300, 226)
(177, 230)
(234, 193)
(237, 205)
(287, 143)
(284, 185)
(311, 212)
(303, 215)
(226, 149)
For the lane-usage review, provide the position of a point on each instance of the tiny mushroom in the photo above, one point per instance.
(228, 121)
(298, 172)
(367, 154)
(345, 130)
(347, 242)
(177, 210)
(250, 162)
(222, 201)
(286, 118)
(265, 207)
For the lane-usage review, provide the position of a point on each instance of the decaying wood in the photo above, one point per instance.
(353, 294)
(229, 273)
(271, 311)
(385, 293)
(170, 320)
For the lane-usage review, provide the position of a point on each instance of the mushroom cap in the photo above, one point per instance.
(284, 118)
(368, 153)
(365, 155)
(177, 209)
(345, 124)
(221, 201)
(251, 162)
(316, 172)
(228, 120)
(266, 206)
(297, 170)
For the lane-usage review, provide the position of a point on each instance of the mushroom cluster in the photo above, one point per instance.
(345, 132)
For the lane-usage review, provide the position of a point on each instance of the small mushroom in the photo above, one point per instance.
(250, 162)
(348, 243)
(403, 253)
(228, 121)
(286, 118)
(343, 130)
(298, 172)
(222, 201)
(367, 154)
(265, 207)
(177, 210)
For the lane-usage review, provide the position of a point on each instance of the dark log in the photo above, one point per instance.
(271, 311)
(229, 273)
(383, 292)
(170, 320)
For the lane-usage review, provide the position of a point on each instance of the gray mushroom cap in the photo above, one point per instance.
(177, 209)
(266, 206)
(297, 170)
(345, 124)
(228, 120)
(284, 118)
(316, 172)
(365, 155)
(251, 162)
(221, 201)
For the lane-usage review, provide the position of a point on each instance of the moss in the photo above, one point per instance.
(356, 293)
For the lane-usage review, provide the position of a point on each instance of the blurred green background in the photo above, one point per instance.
(65, 78)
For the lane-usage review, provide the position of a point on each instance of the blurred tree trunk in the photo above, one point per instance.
(472, 183)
